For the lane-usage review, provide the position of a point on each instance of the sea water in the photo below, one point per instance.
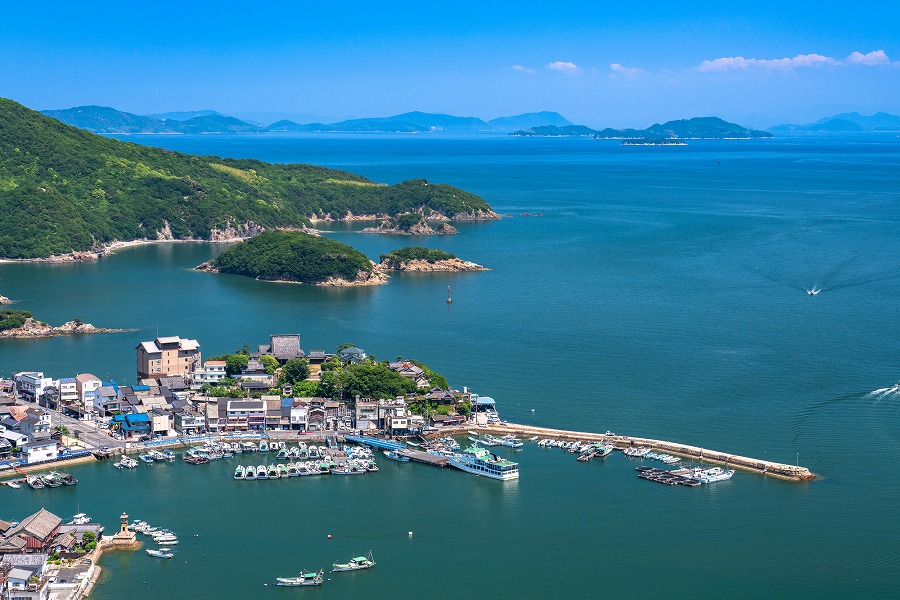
(662, 293)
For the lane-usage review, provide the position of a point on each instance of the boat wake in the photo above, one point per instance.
(888, 393)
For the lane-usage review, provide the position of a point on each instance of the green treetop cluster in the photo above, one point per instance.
(410, 253)
(292, 256)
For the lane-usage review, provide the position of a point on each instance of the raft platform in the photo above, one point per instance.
(425, 458)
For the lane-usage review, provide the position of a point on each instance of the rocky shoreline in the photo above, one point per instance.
(32, 328)
(424, 266)
(421, 228)
(5, 300)
(376, 276)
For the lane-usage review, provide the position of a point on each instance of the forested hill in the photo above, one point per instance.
(63, 189)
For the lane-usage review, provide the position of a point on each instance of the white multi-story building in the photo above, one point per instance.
(31, 384)
(87, 386)
(212, 372)
(68, 390)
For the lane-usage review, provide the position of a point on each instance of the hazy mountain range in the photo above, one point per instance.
(852, 121)
(102, 119)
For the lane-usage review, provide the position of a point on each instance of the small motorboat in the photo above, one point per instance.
(14, 484)
(160, 553)
(813, 291)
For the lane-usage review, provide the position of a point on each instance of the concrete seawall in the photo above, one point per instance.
(765, 467)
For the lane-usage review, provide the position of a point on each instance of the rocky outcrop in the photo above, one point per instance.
(33, 328)
(5, 300)
(422, 227)
(424, 266)
(476, 215)
(376, 276)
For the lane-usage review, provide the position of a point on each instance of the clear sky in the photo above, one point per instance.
(599, 63)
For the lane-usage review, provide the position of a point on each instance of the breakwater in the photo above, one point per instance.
(765, 467)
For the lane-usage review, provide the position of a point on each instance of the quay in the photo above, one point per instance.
(764, 467)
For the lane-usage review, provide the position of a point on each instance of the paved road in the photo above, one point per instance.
(87, 431)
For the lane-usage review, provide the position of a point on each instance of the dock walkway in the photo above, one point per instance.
(375, 442)
(425, 458)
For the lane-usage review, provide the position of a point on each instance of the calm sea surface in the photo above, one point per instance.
(661, 293)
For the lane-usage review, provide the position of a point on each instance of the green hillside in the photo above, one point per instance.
(65, 189)
(292, 256)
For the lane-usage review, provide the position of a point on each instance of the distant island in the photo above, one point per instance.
(64, 191)
(21, 324)
(695, 128)
(419, 259)
(852, 121)
(296, 257)
(411, 224)
(106, 120)
(654, 142)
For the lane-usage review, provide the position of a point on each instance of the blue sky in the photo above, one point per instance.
(598, 63)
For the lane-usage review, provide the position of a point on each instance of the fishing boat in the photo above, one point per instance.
(282, 455)
(478, 461)
(262, 472)
(283, 471)
(169, 455)
(711, 475)
(272, 472)
(239, 472)
(392, 454)
(51, 479)
(34, 482)
(67, 478)
(169, 538)
(355, 564)
(159, 553)
(263, 446)
(80, 519)
(304, 579)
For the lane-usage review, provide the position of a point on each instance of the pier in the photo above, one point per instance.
(764, 467)
(425, 458)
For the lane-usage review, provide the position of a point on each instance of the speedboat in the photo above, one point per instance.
(263, 446)
(160, 554)
(146, 457)
(262, 472)
(304, 579)
(14, 484)
(355, 564)
(813, 291)
(239, 472)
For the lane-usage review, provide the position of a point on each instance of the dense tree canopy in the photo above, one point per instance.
(65, 189)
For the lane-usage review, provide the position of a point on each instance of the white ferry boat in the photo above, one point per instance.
(481, 462)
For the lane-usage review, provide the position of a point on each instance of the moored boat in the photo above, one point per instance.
(14, 484)
(479, 461)
(355, 564)
(239, 472)
(262, 472)
(34, 482)
(393, 455)
(304, 579)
